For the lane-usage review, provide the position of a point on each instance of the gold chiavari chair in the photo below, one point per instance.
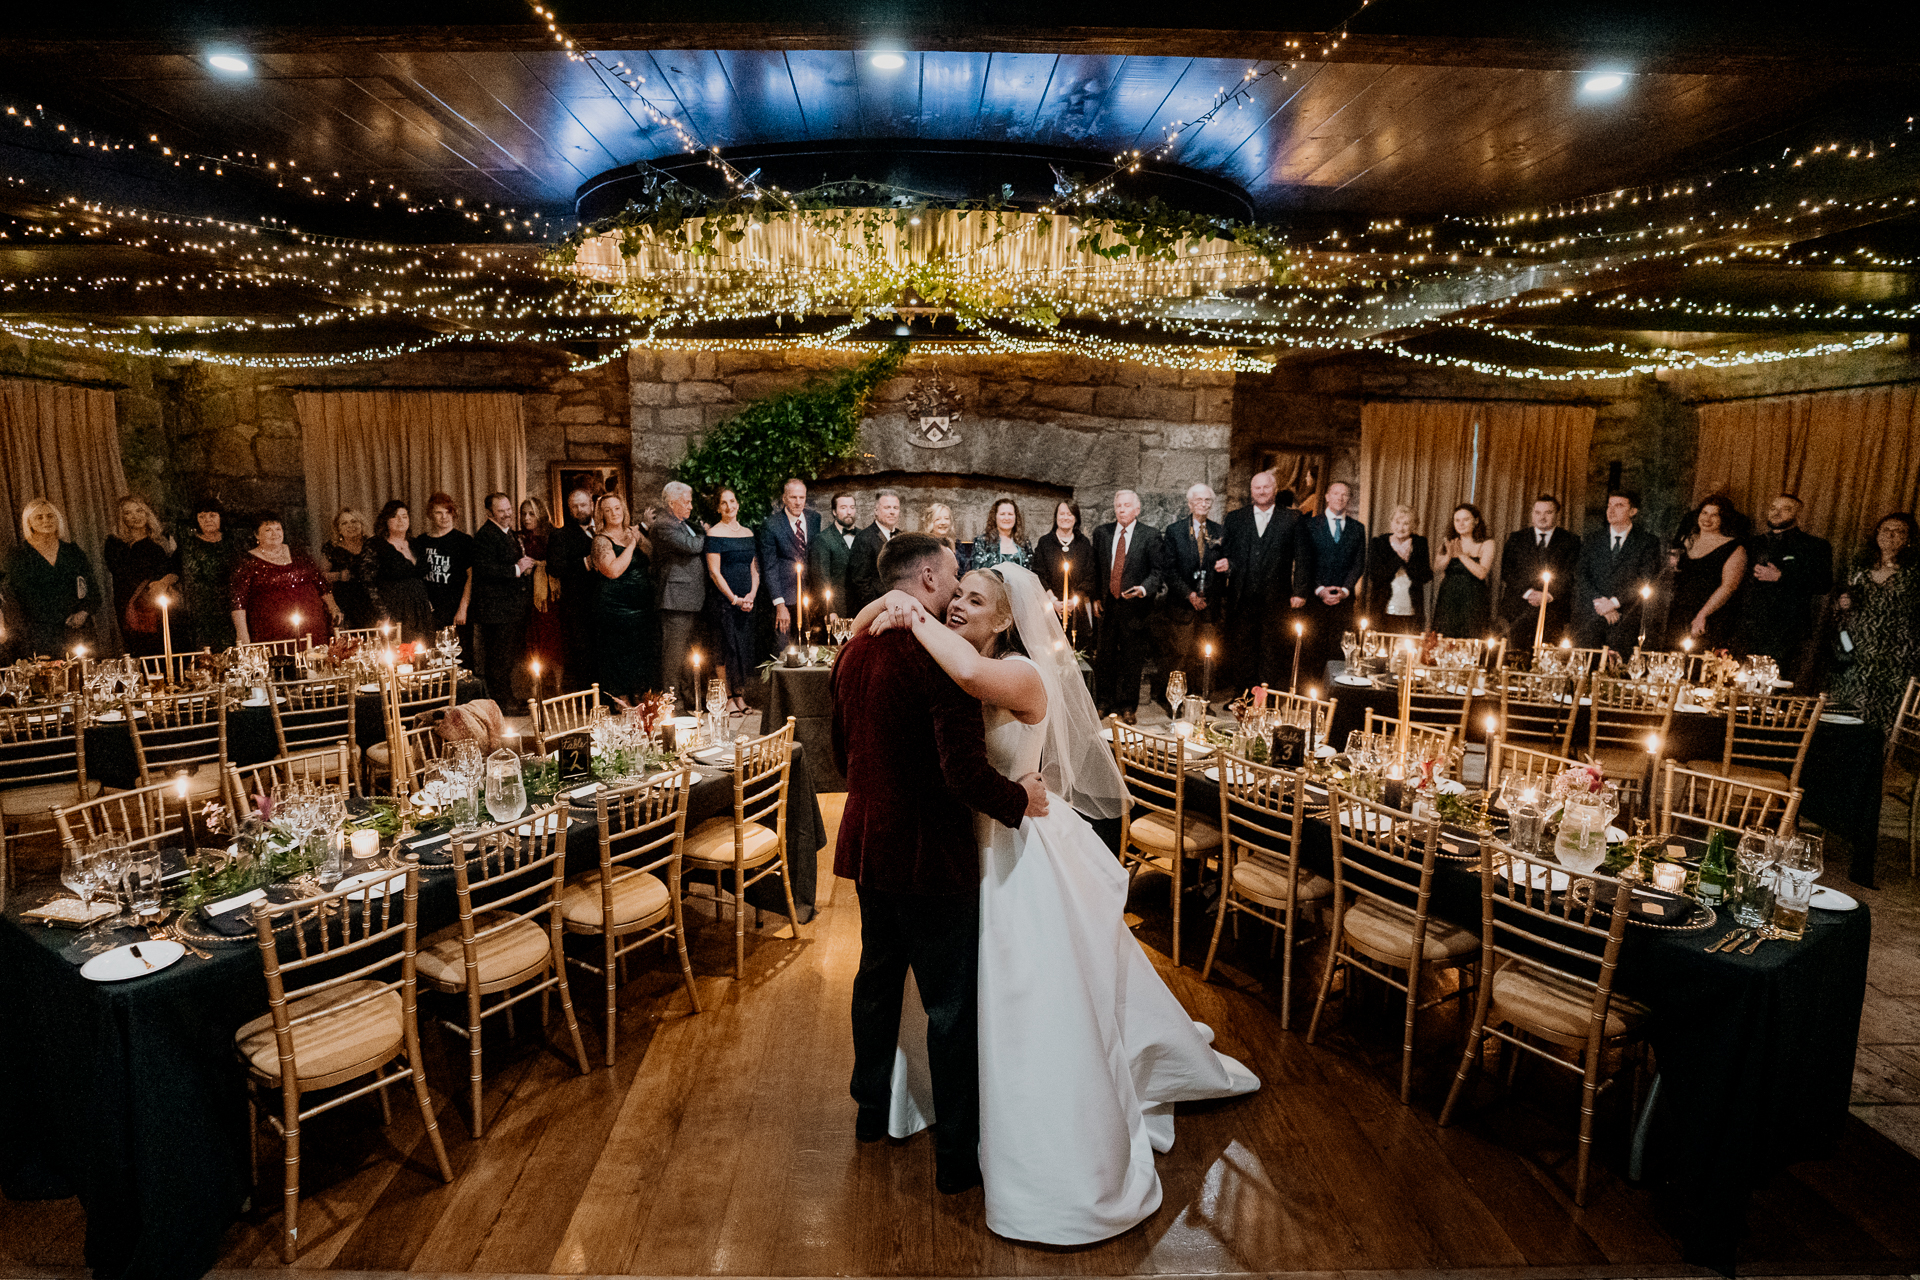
(1540, 710)
(1536, 768)
(1383, 863)
(1622, 715)
(509, 881)
(1159, 829)
(1443, 699)
(563, 714)
(751, 845)
(1315, 715)
(321, 1032)
(271, 649)
(1767, 739)
(1903, 746)
(626, 903)
(1697, 804)
(176, 733)
(1547, 966)
(1263, 813)
(313, 713)
(362, 636)
(43, 759)
(407, 701)
(1425, 741)
(329, 769)
(147, 817)
(1581, 662)
(154, 666)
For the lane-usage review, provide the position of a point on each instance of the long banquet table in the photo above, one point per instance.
(1840, 780)
(130, 1096)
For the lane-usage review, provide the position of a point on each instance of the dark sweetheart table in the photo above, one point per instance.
(130, 1096)
(1840, 780)
(806, 694)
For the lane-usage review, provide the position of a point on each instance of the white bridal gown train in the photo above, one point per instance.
(1083, 1049)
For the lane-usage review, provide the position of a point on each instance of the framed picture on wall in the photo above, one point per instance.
(595, 477)
(1301, 472)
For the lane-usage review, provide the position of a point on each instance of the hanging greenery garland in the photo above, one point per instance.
(794, 433)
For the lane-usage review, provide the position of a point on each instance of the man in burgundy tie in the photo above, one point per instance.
(784, 542)
(1126, 548)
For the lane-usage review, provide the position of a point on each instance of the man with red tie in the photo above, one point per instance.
(785, 540)
(1129, 580)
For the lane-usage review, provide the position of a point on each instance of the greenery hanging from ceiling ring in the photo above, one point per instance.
(793, 433)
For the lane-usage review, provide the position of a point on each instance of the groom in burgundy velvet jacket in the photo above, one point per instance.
(913, 748)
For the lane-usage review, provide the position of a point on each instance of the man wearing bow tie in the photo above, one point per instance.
(785, 540)
(1335, 556)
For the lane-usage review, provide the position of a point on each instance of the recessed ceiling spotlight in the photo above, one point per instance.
(888, 61)
(1605, 82)
(229, 63)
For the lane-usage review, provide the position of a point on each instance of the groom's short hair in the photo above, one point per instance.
(903, 555)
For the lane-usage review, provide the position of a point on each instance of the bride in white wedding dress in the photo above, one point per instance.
(1083, 1049)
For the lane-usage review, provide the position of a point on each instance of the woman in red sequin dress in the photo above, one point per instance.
(273, 584)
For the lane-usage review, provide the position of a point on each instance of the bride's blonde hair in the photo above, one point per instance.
(994, 587)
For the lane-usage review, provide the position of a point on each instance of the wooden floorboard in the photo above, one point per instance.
(722, 1144)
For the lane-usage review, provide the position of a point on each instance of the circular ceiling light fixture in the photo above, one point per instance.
(888, 61)
(229, 64)
(1602, 83)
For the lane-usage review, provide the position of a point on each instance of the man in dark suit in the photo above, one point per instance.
(1259, 545)
(1189, 612)
(832, 554)
(863, 559)
(679, 585)
(1542, 547)
(1124, 555)
(1615, 562)
(913, 748)
(567, 553)
(1326, 576)
(786, 540)
(1790, 570)
(502, 600)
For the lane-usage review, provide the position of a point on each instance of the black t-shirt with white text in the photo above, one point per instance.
(447, 557)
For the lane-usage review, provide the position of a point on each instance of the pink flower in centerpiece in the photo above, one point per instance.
(1584, 779)
(263, 805)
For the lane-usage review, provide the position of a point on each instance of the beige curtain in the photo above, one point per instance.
(365, 447)
(1851, 456)
(62, 443)
(1421, 453)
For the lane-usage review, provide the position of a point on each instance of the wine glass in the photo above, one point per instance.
(80, 872)
(716, 702)
(1348, 643)
(110, 856)
(1176, 691)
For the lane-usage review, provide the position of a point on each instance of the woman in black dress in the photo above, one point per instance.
(1464, 604)
(399, 586)
(1710, 563)
(735, 571)
(50, 582)
(144, 565)
(207, 559)
(1063, 558)
(626, 624)
(1399, 567)
(352, 567)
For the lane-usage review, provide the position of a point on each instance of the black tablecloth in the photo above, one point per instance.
(130, 1095)
(1840, 780)
(806, 694)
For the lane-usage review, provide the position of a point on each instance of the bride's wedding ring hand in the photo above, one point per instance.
(1036, 788)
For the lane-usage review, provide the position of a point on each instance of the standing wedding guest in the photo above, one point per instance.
(502, 598)
(1542, 547)
(1790, 570)
(1399, 567)
(1463, 606)
(627, 632)
(448, 554)
(833, 553)
(785, 541)
(399, 585)
(679, 586)
(1123, 552)
(734, 568)
(1616, 560)
(144, 565)
(1880, 617)
(352, 566)
(1063, 561)
(52, 585)
(1710, 563)
(1005, 539)
(936, 521)
(207, 557)
(579, 586)
(543, 624)
(863, 575)
(1261, 548)
(1335, 548)
(1189, 613)
(279, 594)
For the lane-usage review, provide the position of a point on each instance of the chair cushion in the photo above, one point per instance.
(711, 844)
(1541, 1000)
(1742, 773)
(378, 753)
(1265, 883)
(639, 897)
(368, 1032)
(501, 955)
(1387, 933)
(1621, 762)
(1155, 831)
(43, 799)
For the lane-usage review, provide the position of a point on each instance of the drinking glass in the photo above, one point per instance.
(1752, 891)
(716, 702)
(1348, 643)
(1798, 864)
(80, 872)
(110, 856)
(506, 790)
(143, 884)
(1176, 691)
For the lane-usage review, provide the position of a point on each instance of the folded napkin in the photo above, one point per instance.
(232, 917)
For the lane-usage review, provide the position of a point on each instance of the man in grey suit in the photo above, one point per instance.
(679, 584)
(832, 553)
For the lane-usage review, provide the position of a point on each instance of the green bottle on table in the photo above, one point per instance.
(1716, 870)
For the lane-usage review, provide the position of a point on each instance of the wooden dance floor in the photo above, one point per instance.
(722, 1144)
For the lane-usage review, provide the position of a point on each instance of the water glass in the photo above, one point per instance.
(1752, 879)
(143, 883)
(1798, 864)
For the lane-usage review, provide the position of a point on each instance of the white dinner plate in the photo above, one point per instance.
(1197, 748)
(1566, 697)
(1106, 733)
(1361, 682)
(1615, 835)
(1835, 717)
(120, 963)
(1370, 821)
(722, 755)
(112, 716)
(1324, 751)
(1554, 880)
(369, 688)
(261, 702)
(372, 884)
(1691, 708)
(1832, 899)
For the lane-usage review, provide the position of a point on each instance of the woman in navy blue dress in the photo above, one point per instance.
(734, 565)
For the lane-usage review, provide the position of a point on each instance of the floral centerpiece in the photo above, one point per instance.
(262, 852)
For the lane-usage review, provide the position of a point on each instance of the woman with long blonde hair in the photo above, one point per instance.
(145, 566)
(50, 585)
